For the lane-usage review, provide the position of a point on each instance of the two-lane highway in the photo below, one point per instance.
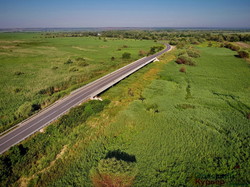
(49, 114)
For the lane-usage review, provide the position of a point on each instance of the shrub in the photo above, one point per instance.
(193, 53)
(155, 49)
(181, 45)
(182, 52)
(24, 110)
(183, 69)
(243, 54)
(232, 47)
(183, 59)
(173, 42)
(126, 55)
(112, 58)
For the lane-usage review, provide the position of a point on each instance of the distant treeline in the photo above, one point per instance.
(171, 35)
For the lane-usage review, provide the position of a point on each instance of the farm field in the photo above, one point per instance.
(36, 70)
(180, 128)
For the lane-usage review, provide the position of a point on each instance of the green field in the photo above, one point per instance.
(36, 70)
(192, 125)
(182, 128)
(190, 128)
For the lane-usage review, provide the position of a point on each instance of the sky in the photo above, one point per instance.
(124, 13)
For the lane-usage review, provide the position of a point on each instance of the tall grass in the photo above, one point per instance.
(183, 129)
(38, 70)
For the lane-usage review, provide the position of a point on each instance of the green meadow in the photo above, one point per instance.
(182, 128)
(36, 70)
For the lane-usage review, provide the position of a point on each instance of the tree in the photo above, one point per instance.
(126, 55)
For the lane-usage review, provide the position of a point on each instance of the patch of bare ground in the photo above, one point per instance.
(24, 181)
(242, 44)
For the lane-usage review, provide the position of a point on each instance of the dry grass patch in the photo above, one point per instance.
(242, 44)
(83, 49)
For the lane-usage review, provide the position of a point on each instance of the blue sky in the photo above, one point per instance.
(124, 13)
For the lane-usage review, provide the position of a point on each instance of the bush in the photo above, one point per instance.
(193, 53)
(182, 52)
(183, 59)
(243, 54)
(183, 69)
(155, 49)
(24, 110)
(126, 55)
(232, 47)
(181, 45)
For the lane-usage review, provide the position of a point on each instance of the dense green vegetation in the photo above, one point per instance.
(188, 125)
(189, 128)
(38, 152)
(36, 71)
(174, 36)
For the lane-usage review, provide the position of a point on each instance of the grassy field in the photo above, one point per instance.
(183, 129)
(192, 126)
(35, 70)
(190, 129)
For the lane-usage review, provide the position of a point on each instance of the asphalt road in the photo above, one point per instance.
(50, 114)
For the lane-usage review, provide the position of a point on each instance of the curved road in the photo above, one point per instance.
(53, 112)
